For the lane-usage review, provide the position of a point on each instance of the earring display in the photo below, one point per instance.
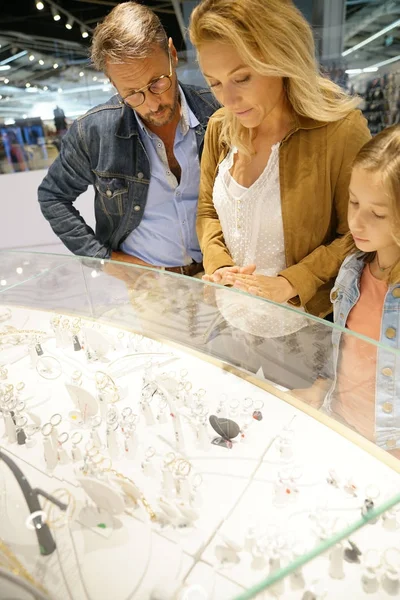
(138, 433)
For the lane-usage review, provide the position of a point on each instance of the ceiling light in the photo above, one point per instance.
(59, 90)
(41, 62)
(81, 74)
(372, 38)
(6, 81)
(95, 78)
(386, 62)
(353, 71)
(31, 57)
(39, 5)
(55, 13)
(1, 96)
(84, 32)
(24, 117)
(69, 23)
(45, 88)
(27, 85)
(370, 69)
(55, 66)
(4, 67)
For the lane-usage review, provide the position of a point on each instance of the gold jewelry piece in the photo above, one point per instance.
(66, 497)
(149, 510)
(9, 561)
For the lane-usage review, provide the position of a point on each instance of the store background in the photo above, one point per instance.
(44, 67)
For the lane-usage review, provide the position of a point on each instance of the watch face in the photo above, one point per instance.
(226, 428)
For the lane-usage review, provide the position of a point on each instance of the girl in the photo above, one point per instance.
(366, 298)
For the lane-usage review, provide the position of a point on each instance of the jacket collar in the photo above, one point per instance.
(128, 125)
(302, 122)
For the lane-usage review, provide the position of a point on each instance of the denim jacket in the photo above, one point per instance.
(344, 296)
(103, 149)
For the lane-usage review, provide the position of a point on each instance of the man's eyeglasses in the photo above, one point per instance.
(158, 86)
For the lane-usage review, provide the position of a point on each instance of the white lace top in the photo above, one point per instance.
(251, 221)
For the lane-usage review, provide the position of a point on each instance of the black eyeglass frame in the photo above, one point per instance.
(148, 88)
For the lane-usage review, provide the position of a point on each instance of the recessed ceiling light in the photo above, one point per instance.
(55, 66)
(45, 88)
(55, 13)
(39, 5)
(27, 85)
(31, 57)
(41, 62)
(95, 78)
(81, 74)
(69, 23)
(6, 81)
(84, 32)
(59, 90)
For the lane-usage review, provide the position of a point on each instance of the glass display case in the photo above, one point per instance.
(163, 438)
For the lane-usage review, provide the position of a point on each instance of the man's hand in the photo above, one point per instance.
(278, 289)
(220, 275)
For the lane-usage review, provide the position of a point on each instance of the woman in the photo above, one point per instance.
(276, 163)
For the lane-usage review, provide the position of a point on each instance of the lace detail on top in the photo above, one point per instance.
(251, 221)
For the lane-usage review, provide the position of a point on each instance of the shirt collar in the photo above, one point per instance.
(187, 121)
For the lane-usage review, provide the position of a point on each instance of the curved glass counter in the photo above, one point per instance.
(184, 440)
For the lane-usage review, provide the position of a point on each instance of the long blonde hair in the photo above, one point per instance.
(381, 155)
(273, 38)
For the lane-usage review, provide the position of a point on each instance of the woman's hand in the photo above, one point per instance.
(220, 275)
(278, 289)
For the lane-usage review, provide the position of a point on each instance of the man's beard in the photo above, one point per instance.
(166, 118)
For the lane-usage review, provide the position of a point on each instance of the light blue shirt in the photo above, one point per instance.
(166, 235)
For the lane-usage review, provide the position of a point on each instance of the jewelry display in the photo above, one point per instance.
(121, 410)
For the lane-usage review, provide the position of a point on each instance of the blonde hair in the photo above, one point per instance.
(381, 155)
(273, 38)
(128, 32)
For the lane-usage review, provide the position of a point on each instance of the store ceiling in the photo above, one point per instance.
(49, 64)
(366, 19)
(42, 63)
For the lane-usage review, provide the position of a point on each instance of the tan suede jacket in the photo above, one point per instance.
(315, 168)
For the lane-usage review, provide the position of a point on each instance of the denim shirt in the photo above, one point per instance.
(171, 208)
(344, 296)
(103, 148)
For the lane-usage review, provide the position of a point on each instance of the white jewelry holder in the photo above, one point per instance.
(168, 483)
(147, 413)
(50, 454)
(84, 400)
(112, 443)
(369, 581)
(10, 428)
(203, 439)
(131, 445)
(391, 582)
(104, 496)
(336, 562)
(97, 342)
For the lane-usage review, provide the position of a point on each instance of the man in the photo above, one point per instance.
(140, 151)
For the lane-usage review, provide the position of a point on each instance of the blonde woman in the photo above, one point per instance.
(277, 158)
